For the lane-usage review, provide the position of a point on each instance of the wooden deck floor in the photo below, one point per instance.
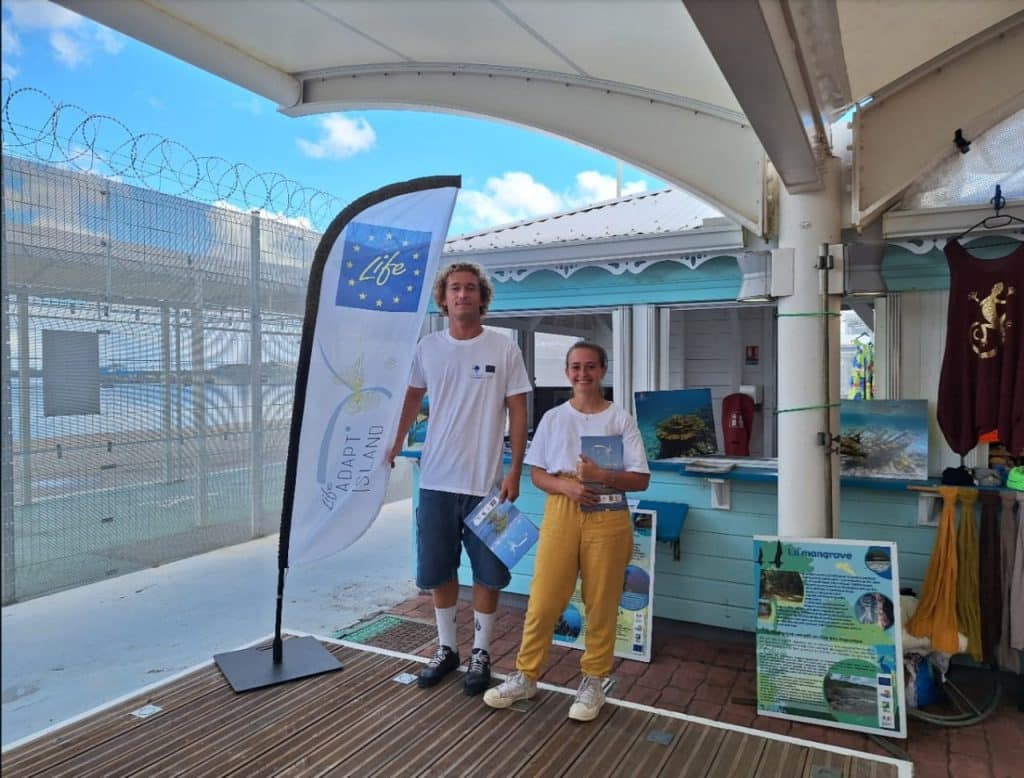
(362, 722)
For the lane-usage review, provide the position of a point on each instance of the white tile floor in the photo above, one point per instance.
(69, 652)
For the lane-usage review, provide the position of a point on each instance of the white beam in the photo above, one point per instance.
(759, 59)
(716, 158)
(944, 222)
(901, 135)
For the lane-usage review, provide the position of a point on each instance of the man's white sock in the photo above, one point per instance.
(483, 626)
(446, 626)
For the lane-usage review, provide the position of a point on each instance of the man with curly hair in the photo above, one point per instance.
(473, 377)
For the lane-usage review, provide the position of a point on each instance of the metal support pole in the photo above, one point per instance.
(199, 406)
(24, 401)
(256, 378)
(165, 380)
(806, 222)
(9, 564)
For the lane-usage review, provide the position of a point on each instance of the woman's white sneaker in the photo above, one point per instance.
(516, 687)
(589, 699)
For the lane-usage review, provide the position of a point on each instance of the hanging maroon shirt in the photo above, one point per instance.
(981, 386)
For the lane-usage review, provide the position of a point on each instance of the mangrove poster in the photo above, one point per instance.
(829, 643)
(636, 607)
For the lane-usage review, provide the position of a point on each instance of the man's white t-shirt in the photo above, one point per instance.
(556, 441)
(467, 382)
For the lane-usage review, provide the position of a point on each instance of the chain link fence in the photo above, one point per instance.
(150, 345)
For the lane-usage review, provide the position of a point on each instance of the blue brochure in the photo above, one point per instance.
(606, 451)
(503, 528)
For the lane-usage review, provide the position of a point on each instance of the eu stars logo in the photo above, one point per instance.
(382, 268)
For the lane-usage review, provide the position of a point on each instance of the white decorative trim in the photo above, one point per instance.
(615, 267)
(921, 246)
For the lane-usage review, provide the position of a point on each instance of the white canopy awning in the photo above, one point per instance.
(695, 91)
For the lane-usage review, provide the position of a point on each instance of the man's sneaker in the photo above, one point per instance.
(478, 673)
(443, 662)
(516, 687)
(589, 699)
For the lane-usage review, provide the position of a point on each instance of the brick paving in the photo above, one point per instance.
(710, 673)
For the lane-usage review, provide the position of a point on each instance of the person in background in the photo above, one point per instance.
(594, 545)
(473, 376)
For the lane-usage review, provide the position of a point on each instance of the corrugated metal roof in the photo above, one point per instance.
(650, 213)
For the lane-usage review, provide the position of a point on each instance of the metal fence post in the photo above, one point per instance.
(165, 379)
(256, 377)
(202, 491)
(10, 580)
(24, 401)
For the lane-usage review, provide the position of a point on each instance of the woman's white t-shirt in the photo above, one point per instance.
(556, 442)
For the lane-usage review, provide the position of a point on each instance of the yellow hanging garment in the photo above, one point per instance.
(968, 605)
(935, 617)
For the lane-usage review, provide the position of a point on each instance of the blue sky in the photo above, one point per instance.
(509, 173)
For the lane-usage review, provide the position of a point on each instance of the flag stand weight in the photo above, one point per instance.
(284, 660)
(396, 251)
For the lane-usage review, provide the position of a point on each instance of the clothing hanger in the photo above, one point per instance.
(998, 203)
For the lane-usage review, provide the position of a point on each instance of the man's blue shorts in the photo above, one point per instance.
(441, 533)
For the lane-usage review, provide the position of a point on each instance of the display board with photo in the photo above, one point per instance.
(884, 439)
(676, 423)
(829, 643)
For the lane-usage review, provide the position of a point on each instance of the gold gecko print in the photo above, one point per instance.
(989, 334)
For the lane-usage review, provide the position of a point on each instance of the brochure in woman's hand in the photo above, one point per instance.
(503, 528)
(606, 451)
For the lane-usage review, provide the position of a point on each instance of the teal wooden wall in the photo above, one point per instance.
(661, 282)
(713, 581)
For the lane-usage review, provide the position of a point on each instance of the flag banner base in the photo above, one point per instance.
(254, 668)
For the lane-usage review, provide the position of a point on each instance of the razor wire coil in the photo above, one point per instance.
(37, 127)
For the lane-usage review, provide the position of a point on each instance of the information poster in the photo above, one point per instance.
(829, 643)
(636, 608)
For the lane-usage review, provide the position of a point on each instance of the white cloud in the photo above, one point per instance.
(11, 44)
(41, 15)
(73, 39)
(342, 137)
(516, 196)
(69, 49)
(109, 41)
(155, 103)
(295, 221)
(511, 197)
(7, 70)
(594, 187)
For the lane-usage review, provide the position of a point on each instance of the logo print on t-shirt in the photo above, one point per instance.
(989, 333)
(487, 371)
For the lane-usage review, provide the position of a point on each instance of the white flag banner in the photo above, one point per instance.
(369, 289)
